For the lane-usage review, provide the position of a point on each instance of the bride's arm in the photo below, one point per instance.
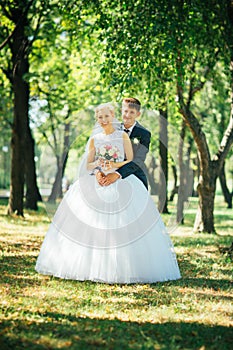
(128, 152)
(91, 163)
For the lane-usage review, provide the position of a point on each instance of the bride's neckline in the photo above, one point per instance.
(109, 133)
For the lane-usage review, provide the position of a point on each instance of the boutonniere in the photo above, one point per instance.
(135, 140)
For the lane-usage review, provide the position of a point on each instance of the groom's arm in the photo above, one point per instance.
(135, 164)
(139, 156)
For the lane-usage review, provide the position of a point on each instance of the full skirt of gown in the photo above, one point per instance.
(111, 234)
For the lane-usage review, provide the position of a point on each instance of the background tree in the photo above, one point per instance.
(66, 82)
(5, 131)
(21, 21)
(143, 40)
(213, 107)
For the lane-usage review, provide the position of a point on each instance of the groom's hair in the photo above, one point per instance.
(132, 102)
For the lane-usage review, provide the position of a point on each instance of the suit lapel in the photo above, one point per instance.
(134, 132)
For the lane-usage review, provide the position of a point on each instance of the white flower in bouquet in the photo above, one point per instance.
(102, 151)
(111, 152)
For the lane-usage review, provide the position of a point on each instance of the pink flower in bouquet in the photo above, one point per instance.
(108, 152)
(115, 156)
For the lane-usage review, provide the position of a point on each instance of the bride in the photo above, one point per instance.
(111, 234)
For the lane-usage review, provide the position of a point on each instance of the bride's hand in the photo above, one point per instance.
(112, 164)
(100, 177)
(107, 165)
(100, 162)
(110, 178)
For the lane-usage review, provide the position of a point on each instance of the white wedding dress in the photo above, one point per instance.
(111, 234)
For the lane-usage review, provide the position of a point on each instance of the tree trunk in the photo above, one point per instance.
(196, 175)
(226, 193)
(57, 185)
(206, 189)
(182, 187)
(61, 165)
(163, 158)
(189, 173)
(20, 123)
(175, 187)
(151, 178)
(32, 191)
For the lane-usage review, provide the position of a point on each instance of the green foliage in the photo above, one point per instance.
(145, 40)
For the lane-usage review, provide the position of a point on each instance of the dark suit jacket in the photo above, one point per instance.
(140, 138)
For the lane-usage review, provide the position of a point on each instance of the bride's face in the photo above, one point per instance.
(104, 117)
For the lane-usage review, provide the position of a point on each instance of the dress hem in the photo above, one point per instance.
(82, 279)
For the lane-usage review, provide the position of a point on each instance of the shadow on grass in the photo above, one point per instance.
(222, 227)
(63, 331)
(20, 271)
(57, 330)
(206, 240)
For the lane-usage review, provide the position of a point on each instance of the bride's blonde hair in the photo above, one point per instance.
(107, 105)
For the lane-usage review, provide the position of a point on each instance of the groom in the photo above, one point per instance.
(140, 138)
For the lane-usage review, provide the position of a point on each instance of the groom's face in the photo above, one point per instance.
(129, 115)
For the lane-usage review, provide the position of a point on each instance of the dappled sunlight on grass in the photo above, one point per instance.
(43, 312)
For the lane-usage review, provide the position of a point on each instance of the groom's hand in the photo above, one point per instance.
(110, 178)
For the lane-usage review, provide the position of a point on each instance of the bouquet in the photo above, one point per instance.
(108, 152)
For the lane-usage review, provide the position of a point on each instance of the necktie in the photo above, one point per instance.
(127, 130)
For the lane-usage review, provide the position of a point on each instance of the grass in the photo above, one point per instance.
(41, 312)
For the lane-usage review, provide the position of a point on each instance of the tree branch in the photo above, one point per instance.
(5, 42)
(188, 116)
(36, 31)
(200, 85)
(9, 16)
(226, 142)
(47, 139)
(195, 127)
(190, 95)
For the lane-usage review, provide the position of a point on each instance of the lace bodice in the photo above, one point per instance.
(110, 147)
